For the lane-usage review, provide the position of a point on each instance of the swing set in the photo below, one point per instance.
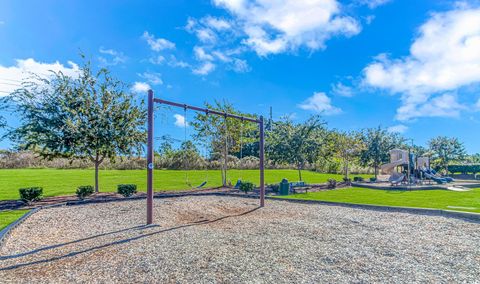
(150, 141)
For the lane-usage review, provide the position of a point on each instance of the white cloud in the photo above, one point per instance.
(204, 69)
(240, 66)
(180, 120)
(157, 44)
(217, 24)
(152, 78)
(342, 90)
(157, 60)
(116, 57)
(272, 27)
(373, 3)
(12, 76)
(174, 62)
(400, 128)
(320, 103)
(444, 57)
(201, 55)
(477, 105)
(140, 87)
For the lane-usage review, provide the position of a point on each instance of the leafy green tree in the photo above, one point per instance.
(377, 144)
(296, 144)
(224, 136)
(445, 150)
(347, 145)
(89, 117)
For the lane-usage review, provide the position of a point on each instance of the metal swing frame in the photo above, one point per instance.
(150, 166)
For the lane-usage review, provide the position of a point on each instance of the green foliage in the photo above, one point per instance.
(377, 144)
(358, 179)
(127, 190)
(91, 116)
(297, 144)
(29, 194)
(332, 183)
(224, 136)
(246, 186)
(464, 169)
(446, 150)
(84, 191)
(347, 147)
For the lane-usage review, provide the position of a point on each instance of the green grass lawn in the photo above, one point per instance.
(10, 216)
(468, 201)
(64, 182)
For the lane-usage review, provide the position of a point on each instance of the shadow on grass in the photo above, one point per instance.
(75, 253)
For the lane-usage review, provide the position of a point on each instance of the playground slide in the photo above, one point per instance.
(388, 168)
(435, 178)
(433, 172)
(396, 179)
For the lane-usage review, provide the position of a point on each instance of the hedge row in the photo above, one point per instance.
(464, 169)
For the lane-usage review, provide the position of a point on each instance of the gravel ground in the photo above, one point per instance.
(211, 239)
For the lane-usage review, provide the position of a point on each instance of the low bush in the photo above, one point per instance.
(464, 169)
(372, 179)
(30, 194)
(83, 191)
(358, 179)
(246, 186)
(275, 187)
(332, 183)
(127, 190)
(347, 180)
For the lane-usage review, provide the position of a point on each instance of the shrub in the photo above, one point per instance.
(275, 187)
(372, 179)
(332, 183)
(246, 186)
(358, 179)
(84, 191)
(30, 194)
(347, 180)
(464, 169)
(127, 190)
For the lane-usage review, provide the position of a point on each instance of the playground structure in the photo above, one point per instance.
(405, 168)
(150, 142)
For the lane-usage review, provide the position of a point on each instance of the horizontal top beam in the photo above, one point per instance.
(207, 111)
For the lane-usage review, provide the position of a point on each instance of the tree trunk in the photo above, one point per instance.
(96, 175)
(376, 171)
(300, 172)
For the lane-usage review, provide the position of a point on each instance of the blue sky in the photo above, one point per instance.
(412, 66)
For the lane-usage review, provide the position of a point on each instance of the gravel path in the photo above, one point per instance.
(211, 239)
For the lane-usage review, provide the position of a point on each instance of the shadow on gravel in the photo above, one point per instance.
(75, 253)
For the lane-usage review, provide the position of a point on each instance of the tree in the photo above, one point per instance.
(377, 144)
(223, 135)
(347, 145)
(296, 144)
(446, 150)
(89, 117)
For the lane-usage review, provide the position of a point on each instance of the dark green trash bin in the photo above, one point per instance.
(284, 187)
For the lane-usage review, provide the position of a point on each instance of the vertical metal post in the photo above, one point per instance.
(150, 159)
(262, 162)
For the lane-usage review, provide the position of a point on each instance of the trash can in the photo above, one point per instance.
(284, 187)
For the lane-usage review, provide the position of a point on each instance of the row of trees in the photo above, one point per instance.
(94, 117)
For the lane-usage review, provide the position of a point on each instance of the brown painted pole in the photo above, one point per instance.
(150, 159)
(262, 162)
